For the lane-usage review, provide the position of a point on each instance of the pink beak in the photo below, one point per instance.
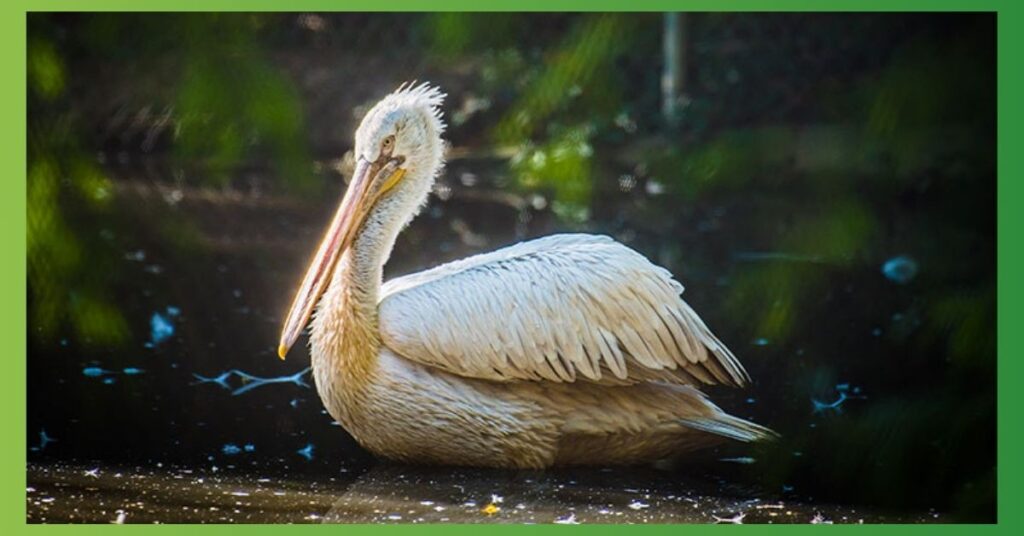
(342, 231)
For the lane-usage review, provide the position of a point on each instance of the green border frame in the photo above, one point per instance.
(1010, 218)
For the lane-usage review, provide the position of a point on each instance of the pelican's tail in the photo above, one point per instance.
(732, 427)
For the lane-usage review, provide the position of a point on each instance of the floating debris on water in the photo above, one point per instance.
(637, 505)
(221, 380)
(760, 341)
(735, 520)
(846, 392)
(306, 452)
(44, 439)
(847, 388)
(901, 269)
(232, 449)
(569, 520)
(161, 326)
(107, 375)
(490, 509)
(744, 460)
(819, 519)
(251, 382)
(836, 405)
(96, 372)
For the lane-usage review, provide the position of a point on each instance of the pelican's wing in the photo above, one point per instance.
(558, 308)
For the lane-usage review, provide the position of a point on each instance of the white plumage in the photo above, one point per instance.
(561, 308)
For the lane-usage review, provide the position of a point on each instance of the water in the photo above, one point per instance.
(840, 241)
(397, 494)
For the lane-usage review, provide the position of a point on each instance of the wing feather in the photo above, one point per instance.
(563, 308)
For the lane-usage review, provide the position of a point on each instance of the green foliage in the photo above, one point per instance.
(964, 319)
(562, 166)
(68, 275)
(234, 105)
(552, 120)
(570, 71)
(455, 35)
(927, 91)
(45, 70)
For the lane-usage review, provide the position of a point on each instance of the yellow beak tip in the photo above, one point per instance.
(282, 351)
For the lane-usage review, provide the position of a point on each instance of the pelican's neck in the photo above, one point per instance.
(345, 335)
(362, 267)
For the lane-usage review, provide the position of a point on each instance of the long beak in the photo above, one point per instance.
(342, 231)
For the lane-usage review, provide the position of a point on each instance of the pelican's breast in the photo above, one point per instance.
(415, 413)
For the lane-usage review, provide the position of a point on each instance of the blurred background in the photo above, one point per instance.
(823, 185)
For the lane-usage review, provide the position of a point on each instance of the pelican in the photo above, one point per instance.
(569, 349)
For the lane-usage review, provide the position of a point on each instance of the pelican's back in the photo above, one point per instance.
(559, 308)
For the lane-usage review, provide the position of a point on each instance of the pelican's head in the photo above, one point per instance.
(398, 153)
(404, 127)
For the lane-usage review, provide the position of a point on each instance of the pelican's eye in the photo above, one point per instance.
(387, 145)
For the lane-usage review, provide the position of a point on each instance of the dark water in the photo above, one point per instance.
(835, 228)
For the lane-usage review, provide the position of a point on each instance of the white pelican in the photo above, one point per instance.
(568, 349)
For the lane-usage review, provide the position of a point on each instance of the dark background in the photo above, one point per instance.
(191, 161)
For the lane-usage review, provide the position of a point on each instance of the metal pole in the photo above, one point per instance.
(673, 77)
